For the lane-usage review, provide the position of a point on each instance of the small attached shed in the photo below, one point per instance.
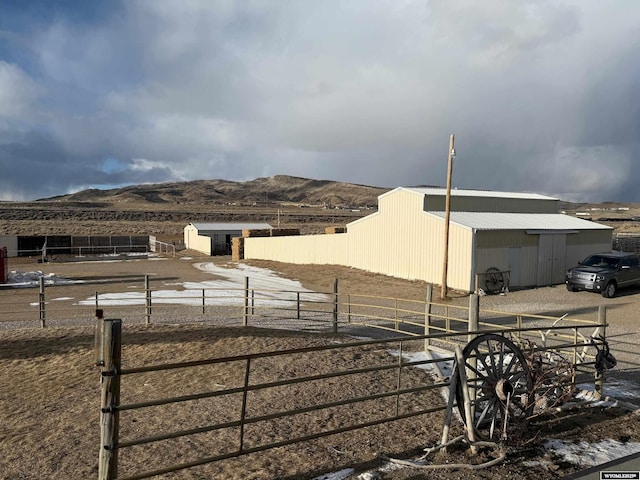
(215, 238)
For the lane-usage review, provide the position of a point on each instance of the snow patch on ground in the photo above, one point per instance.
(339, 475)
(32, 279)
(226, 289)
(585, 454)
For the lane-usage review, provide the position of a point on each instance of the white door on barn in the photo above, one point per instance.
(551, 258)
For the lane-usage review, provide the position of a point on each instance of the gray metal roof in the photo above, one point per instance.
(225, 227)
(476, 193)
(520, 221)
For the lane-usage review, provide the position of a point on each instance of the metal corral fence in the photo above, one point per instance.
(626, 242)
(53, 245)
(425, 325)
(395, 393)
(445, 326)
(402, 396)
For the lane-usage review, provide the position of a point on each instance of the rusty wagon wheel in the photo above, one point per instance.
(499, 385)
(493, 280)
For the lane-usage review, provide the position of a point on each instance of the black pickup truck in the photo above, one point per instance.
(605, 273)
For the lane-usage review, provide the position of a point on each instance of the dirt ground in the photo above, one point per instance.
(50, 395)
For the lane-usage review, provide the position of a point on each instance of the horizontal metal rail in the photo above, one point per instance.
(280, 383)
(283, 414)
(261, 448)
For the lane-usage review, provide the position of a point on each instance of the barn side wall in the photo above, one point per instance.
(403, 241)
(584, 244)
(399, 240)
(521, 254)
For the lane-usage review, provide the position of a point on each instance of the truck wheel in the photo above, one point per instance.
(610, 290)
(571, 288)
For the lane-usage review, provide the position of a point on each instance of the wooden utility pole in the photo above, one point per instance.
(447, 215)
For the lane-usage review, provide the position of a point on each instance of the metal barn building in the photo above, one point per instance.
(215, 238)
(519, 233)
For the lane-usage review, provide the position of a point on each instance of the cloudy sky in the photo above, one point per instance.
(542, 96)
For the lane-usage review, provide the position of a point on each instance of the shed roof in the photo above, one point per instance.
(225, 227)
(520, 221)
(476, 193)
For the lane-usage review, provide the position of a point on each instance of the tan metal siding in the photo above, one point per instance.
(402, 241)
(497, 249)
(504, 238)
(300, 249)
(460, 269)
(199, 243)
(382, 243)
(493, 250)
(585, 243)
(590, 237)
(526, 263)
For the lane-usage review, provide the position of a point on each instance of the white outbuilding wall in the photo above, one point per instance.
(210, 238)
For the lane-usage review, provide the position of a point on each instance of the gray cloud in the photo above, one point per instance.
(541, 95)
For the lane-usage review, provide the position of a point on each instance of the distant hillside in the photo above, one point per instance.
(278, 189)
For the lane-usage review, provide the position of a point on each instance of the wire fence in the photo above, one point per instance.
(626, 242)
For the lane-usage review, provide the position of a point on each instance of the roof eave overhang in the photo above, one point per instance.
(551, 232)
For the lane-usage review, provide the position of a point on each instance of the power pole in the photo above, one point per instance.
(447, 215)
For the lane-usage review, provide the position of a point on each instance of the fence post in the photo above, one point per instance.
(348, 308)
(602, 327)
(427, 315)
(474, 315)
(335, 305)
(395, 309)
(298, 305)
(399, 379)
(41, 303)
(245, 312)
(243, 411)
(147, 290)
(110, 399)
(203, 301)
(98, 338)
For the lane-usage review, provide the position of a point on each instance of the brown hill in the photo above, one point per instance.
(271, 190)
(164, 209)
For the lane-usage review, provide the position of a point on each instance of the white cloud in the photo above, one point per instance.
(363, 91)
(18, 92)
(581, 173)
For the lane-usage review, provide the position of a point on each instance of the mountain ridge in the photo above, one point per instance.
(263, 190)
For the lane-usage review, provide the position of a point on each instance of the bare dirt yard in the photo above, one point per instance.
(50, 390)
